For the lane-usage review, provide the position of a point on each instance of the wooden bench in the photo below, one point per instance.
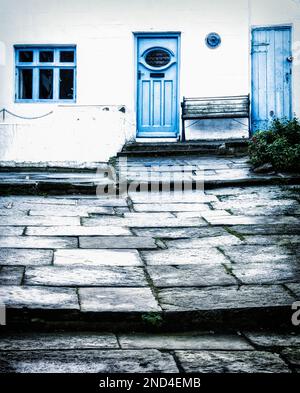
(214, 108)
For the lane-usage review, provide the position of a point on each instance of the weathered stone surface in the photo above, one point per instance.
(207, 255)
(252, 253)
(170, 207)
(101, 201)
(190, 276)
(113, 361)
(266, 230)
(11, 231)
(251, 203)
(292, 355)
(177, 233)
(39, 221)
(144, 220)
(117, 300)
(245, 220)
(281, 240)
(11, 275)
(71, 211)
(97, 258)
(26, 257)
(24, 201)
(266, 211)
(196, 341)
(37, 242)
(274, 339)
(39, 297)
(117, 242)
(205, 214)
(57, 340)
(114, 276)
(77, 231)
(268, 272)
(215, 241)
(188, 196)
(222, 298)
(231, 362)
(295, 288)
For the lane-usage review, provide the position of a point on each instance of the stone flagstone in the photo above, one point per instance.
(274, 339)
(177, 233)
(190, 276)
(39, 221)
(77, 231)
(89, 361)
(215, 241)
(26, 257)
(231, 362)
(114, 276)
(39, 297)
(71, 211)
(44, 341)
(170, 207)
(205, 255)
(11, 231)
(97, 258)
(138, 242)
(11, 275)
(224, 298)
(38, 242)
(117, 300)
(185, 341)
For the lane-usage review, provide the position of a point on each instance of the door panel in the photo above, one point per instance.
(271, 75)
(157, 86)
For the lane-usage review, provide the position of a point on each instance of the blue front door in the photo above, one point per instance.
(271, 75)
(157, 86)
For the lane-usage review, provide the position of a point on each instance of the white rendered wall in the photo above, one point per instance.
(103, 32)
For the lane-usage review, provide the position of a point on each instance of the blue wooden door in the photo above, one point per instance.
(271, 75)
(157, 86)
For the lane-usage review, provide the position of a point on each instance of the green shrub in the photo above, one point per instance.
(279, 146)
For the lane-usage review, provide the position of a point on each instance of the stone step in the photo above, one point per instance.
(138, 309)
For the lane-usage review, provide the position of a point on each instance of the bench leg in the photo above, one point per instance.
(183, 131)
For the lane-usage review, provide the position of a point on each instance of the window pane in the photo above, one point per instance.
(26, 56)
(66, 56)
(46, 85)
(46, 56)
(25, 84)
(66, 84)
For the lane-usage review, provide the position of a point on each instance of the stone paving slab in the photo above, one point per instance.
(77, 231)
(70, 276)
(224, 298)
(97, 258)
(231, 362)
(57, 341)
(117, 300)
(39, 297)
(170, 207)
(76, 211)
(186, 196)
(278, 229)
(11, 231)
(11, 275)
(38, 242)
(97, 361)
(179, 233)
(242, 254)
(186, 341)
(280, 240)
(209, 255)
(267, 272)
(216, 241)
(292, 355)
(117, 242)
(39, 221)
(25, 257)
(273, 339)
(190, 276)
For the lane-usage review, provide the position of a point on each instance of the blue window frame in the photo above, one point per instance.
(45, 73)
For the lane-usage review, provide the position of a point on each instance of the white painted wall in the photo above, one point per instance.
(103, 32)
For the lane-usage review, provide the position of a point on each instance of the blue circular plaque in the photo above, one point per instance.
(213, 40)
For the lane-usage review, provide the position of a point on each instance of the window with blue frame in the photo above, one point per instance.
(45, 74)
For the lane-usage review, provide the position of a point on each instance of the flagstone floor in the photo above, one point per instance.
(222, 250)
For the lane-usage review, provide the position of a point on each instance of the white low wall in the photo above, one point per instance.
(69, 134)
